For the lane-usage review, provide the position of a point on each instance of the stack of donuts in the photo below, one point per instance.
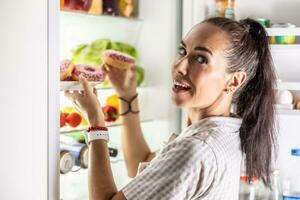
(111, 58)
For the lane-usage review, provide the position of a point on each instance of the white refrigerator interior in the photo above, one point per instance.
(156, 35)
(286, 59)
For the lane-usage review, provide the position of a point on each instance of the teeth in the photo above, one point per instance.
(180, 84)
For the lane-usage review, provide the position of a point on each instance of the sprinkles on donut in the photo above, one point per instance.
(89, 72)
(117, 59)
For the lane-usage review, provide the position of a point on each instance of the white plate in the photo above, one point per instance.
(74, 85)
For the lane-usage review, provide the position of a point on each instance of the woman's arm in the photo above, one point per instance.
(100, 178)
(134, 145)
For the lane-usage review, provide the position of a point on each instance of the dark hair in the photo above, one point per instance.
(249, 52)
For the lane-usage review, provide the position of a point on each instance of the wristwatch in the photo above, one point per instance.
(96, 135)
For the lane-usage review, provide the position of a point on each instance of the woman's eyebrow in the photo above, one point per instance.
(199, 48)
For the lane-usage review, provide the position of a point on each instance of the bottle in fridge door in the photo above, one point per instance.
(291, 183)
(276, 192)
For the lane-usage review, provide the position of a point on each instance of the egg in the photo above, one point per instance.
(284, 97)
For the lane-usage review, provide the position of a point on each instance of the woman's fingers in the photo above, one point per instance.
(72, 96)
(86, 86)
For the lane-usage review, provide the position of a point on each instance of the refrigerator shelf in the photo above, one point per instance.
(74, 85)
(285, 47)
(288, 86)
(108, 124)
(288, 112)
(100, 87)
(89, 15)
(283, 31)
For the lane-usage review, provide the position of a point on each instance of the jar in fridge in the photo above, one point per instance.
(110, 7)
(225, 8)
(128, 8)
(77, 5)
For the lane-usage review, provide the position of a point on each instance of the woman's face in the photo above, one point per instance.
(199, 72)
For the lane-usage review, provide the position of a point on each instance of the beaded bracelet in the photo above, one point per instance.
(97, 128)
(129, 105)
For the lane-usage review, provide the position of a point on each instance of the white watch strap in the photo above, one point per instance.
(97, 135)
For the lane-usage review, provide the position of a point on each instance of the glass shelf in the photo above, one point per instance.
(101, 87)
(285, 47)
(283, 31)
(288, 86)
(82, 14)
(108, 124)
(288, 112)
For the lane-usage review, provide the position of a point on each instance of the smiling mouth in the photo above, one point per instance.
(181, 87)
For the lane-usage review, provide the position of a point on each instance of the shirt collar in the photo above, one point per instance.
(230, 124)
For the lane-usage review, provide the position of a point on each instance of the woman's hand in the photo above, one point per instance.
(122, 80)
(87, 102)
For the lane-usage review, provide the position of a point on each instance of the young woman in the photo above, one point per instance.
(220, 62)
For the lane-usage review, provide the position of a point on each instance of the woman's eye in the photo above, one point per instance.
(201, 59)
(181, 51)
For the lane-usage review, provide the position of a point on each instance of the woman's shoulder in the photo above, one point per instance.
(190, 148)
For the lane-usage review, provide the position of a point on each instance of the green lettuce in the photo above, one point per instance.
(91, 53)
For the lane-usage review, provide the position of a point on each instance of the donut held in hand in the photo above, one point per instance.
(117, 59)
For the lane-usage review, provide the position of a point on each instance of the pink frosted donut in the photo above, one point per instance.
(66, 69)
(117, 59)
(89, 72)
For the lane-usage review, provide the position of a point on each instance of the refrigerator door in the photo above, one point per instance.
(29, 100)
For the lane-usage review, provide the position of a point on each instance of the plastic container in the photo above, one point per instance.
(291, 183)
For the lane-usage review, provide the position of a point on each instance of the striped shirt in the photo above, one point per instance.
(203, 162)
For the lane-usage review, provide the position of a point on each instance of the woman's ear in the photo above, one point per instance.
(237, 79)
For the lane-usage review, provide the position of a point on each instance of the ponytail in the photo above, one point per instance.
(255, 99)
(256, 106)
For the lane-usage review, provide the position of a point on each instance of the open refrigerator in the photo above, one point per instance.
(155, 34)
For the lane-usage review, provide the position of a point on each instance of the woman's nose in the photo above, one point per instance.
(181, 66)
